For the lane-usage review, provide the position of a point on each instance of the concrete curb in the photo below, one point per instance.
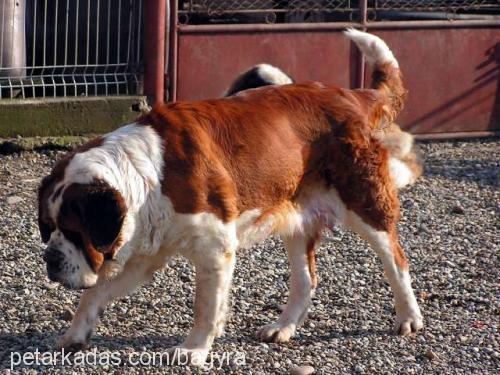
(67, 116)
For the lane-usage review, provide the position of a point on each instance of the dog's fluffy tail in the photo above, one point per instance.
(386, 76)
(405, 162)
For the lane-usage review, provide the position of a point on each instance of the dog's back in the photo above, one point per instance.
(406, 163)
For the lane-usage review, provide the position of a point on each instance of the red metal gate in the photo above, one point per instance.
(450, 55)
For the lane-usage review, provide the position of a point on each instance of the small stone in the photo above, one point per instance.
(423, 228)
(424, 295)
(430, 355)
(50, 285)
(14, 199)
(359, 369)
(302, 370)
(457, 209)
(67, 314)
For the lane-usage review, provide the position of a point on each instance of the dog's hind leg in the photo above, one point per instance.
(386, 245)
(300, 249)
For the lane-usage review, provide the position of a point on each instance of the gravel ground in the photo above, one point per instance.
(449, 231)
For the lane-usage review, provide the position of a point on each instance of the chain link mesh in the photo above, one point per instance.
(207, 6)
(271, 11)
(432, 5)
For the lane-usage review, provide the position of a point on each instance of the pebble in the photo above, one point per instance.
(67, 314)
(359, 369)
(430, 355)
(302, 370)
(457, 209)
(13, 199)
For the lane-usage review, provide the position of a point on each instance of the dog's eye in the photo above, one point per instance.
(74, 237)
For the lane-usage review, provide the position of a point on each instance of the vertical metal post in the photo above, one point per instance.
(154, 50)
(363, 9)
(12, 39)
(172, 52)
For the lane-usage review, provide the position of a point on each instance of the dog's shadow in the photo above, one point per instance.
(347, 335)
(46, 341)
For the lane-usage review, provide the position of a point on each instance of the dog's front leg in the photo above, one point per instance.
(95, 299)
(213, 279)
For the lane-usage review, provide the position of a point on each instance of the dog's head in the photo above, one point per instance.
(81, 225)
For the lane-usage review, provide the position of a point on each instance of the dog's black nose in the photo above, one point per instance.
(53, 258)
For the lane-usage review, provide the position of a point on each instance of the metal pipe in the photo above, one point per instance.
(168, 22)
(422, 16)
(154, 49)
(432, 24)
(12, 40)
(363, 8)
(172, 72)
(325, 26)
(456, 135)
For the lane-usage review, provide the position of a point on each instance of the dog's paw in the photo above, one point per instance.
(408, 323)
(180, 356)
(74, 340)
(276, 332)
(69, 344)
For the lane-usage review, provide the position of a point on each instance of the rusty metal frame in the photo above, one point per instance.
(154, 50)
(175, 29)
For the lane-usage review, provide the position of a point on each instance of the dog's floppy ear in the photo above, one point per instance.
(103, 211)
(45, 229)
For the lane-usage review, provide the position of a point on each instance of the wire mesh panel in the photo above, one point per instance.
(269, 11)
(430, 5)
(70, 47)
(432, 9)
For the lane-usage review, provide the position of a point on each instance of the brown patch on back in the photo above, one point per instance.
(230, 155)
(259, 150)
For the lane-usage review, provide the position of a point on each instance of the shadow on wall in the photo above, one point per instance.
(489, 71)
(494, 58)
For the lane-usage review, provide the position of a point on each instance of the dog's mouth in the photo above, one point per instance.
(54, 277)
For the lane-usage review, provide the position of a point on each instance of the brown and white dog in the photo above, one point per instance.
(207, 178)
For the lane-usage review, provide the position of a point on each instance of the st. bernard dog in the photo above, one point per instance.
(207, 178)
